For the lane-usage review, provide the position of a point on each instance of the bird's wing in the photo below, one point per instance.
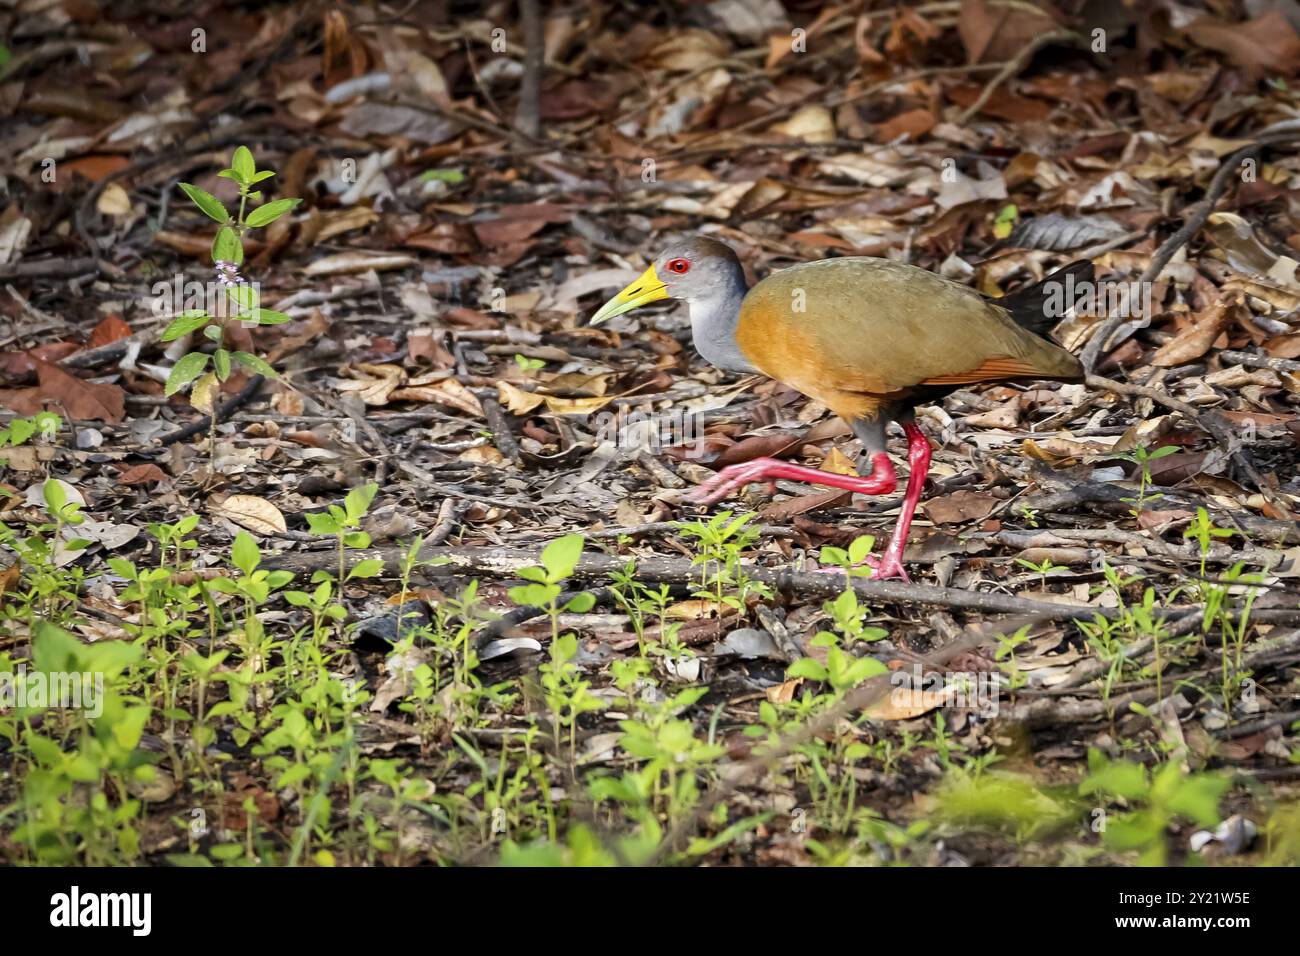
(880, 327)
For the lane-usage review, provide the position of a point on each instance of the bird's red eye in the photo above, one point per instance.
(679, 266)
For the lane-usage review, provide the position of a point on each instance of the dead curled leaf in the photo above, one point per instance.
(145, 474)
(444, 391)
(82, 400)
(256, 514)
(960, 507)
(1195, 340)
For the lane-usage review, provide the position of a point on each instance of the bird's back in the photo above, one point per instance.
(841, 330)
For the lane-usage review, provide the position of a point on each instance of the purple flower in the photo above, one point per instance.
(228, 273)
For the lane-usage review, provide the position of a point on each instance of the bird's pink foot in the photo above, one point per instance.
(881, 481)
(733, 477)
(886, 568)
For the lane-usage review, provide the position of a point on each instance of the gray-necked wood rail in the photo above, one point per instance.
(868, 338)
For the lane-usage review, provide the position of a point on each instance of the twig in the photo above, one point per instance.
(200, 425)
(1196, 217)
(528, 116)
(1011, 67)
(500, 428)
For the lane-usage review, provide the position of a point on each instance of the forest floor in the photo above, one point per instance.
(429, 590)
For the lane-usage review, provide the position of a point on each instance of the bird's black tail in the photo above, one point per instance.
(1039, 307)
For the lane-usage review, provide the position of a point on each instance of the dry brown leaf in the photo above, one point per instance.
(1195, 340)
(783, 693)
(959, 507)
(446, 391)
(516, 400)
(256, 514)
(84, 401)
(905, 703)
(109, 330)
(482, 455)
(1266, 44)
(144, 474)
(576, 406)
(373, 384)
(838, 463)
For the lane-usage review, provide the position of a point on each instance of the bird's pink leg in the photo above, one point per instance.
(918, 457)
(881, 481)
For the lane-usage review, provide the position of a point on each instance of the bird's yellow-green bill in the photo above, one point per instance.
(647, 288)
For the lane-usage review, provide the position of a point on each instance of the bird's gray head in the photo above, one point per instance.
(694, 270)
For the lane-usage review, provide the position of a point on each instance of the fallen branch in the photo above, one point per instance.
(506, 563)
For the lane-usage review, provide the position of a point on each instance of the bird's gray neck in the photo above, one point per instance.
(713, 326)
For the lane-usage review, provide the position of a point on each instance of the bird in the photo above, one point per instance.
(869, 338)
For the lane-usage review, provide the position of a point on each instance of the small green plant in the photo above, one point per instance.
(344, 524)
(852, 559)
(19, 431)
(1046, 567)
(1157, 797)
(48, 584)
(639, 601)
(1205, 532)
(227, 257)
(567, 691)
(559, 560)
(721, 539)
(1143, 459)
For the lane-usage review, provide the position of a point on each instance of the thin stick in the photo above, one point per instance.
(1196, 217)
(1012, 67)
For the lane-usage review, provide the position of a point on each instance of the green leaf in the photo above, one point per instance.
(452, 177)
(1198, 798)
(809, 668)
(244, 553)
(251, 361)
(242, 163)
(581, 603)
(366, 569)
(561, 556)
(264, 174)
(208, 203)
(861, 547)
(189, 368)
(226, 247)
(185, 323)
(322, 522)
(221, 359)
(55, 496)
(1122, 778)
(265, 317)
(265, 215)
(243, 295)
(358, 501)
(533, 595)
